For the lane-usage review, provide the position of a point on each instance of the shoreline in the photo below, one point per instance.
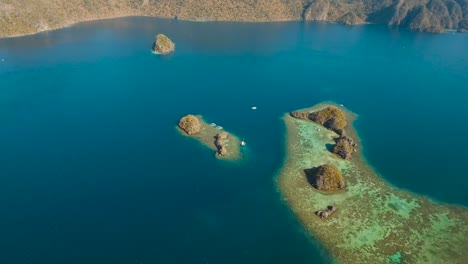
(374, 219)
(71, 24)
(65, 25)
(84, 20)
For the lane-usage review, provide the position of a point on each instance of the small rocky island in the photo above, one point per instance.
(377, 222)
(163, 45)
(226, 145)
(326, 177)
(344, 147)
(332, 118)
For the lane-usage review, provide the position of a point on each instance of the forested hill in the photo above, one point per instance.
(18, 17)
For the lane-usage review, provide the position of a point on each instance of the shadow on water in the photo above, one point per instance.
(310, 175)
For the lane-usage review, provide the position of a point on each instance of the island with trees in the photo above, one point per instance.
(226, 146)
(163, 45)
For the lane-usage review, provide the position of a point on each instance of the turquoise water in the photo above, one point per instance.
(92, 169)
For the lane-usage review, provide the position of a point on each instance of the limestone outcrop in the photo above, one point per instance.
(344, 147)
(190, 124)
(220, 143)
(326, 213)
(163, 45)
(326, 177)
(330, 117)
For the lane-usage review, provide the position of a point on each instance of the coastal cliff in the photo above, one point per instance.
(20, 17)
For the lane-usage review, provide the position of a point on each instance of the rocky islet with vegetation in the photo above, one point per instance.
(326, 177)
(163, 45)
(226, 145)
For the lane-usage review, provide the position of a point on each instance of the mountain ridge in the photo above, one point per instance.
(22, 17)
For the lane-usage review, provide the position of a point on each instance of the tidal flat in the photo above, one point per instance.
(375, 222)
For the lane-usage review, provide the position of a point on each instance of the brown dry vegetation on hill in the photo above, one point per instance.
(330, 117)
(325, 177)
(19, 17)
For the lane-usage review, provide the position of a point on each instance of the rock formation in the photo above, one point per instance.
(16, 18)
(220, 143)
(300, 115)
(324, 214)
(190, 124)
(163, 45)
(344, 147)
(334, 119)
(330, 117)
(326, 177)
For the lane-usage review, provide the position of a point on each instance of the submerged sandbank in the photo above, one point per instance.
(375, 222)
(207, 136)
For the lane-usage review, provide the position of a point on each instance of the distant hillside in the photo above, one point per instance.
(18, 17)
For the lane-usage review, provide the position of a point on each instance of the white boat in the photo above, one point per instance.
(341, 105)
(219, 127)
(254, 108)
(243, 143)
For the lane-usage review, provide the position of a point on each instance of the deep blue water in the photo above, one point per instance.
(92, 169)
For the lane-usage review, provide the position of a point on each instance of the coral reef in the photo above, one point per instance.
(220, 143)
(376, 222)
(226, 145)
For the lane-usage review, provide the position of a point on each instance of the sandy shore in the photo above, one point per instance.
(375, 221)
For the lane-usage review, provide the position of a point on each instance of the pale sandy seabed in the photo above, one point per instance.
(207, 137)
(375, 222)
